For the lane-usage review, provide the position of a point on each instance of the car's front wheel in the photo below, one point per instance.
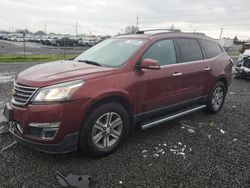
(104, 129)
(216, 98)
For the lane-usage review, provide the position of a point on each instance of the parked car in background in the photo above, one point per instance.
(17, 39)
(66, 41)
(2, 35)
(94, 100)
(86, 42)
(51, 41)
(8, 36)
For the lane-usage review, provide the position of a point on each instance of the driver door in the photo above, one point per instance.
(157, 88)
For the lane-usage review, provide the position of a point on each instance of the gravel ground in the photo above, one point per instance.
(15, 48)
(198, 150)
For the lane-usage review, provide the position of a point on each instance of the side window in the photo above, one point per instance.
(162, 51)
(189, 50)
(211, 49)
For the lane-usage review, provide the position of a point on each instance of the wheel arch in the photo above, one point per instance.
(120, 99)
(223, 80)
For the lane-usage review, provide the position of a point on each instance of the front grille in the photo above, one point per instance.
(22, 94)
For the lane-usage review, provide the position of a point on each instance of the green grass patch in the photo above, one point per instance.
(35, 58)
(233, 53)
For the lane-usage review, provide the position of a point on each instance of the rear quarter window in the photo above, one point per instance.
(211, 49)
(188, 50)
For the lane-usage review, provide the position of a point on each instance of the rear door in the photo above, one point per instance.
(211, 51)
(192, 69)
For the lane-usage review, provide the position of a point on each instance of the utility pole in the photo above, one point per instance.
(45, 28)
(137, 22)
(76, 28)
(24, 48)
(221, 32)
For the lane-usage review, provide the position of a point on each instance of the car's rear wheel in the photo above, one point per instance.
(104, 129)
(216, 98)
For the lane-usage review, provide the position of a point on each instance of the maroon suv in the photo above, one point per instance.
(93, 101)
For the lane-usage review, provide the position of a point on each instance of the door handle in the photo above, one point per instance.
(207, 68)
(177, 74)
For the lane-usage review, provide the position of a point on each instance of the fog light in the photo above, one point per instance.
(47, 130)
(49, 133)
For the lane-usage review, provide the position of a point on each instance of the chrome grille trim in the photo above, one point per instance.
(22, 94)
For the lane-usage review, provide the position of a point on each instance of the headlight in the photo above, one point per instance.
(58, 92)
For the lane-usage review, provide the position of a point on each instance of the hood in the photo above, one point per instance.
(59, 71)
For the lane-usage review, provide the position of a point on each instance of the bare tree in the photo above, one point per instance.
(131, 29)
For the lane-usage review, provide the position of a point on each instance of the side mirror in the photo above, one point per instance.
(150, 64)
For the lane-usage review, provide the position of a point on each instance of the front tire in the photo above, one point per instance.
(104, 129)
(216, 98)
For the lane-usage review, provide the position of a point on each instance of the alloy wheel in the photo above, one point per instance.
(107, 130)
(217, 99)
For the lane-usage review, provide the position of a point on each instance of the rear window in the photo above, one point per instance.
(211, 49)
(189, 50)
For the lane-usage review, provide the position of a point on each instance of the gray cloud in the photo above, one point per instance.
(112, 16)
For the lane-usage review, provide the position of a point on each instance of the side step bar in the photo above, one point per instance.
(171, 117)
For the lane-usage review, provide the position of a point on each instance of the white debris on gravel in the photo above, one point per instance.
(191, 130)
(231, 93)
(222, 131)
(185, 124)
(209, 136)
(144, 156)
(235, 140)
(178, 149)
(120, 182)
(156, 155)
(234, 106)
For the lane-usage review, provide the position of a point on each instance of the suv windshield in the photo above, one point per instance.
(111, 52)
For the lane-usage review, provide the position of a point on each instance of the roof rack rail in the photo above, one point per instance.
(168, 30)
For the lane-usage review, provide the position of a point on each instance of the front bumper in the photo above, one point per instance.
(68, 144)
(70, 115)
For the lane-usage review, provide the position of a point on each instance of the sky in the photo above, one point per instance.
(112, 16)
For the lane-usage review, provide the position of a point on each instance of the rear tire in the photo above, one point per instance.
(104, 129)
(216, 98)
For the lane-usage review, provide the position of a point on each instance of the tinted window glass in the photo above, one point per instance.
(189, 50)
(162, 51)
(211, 49)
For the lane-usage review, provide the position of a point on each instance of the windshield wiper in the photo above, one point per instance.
(90, 62)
